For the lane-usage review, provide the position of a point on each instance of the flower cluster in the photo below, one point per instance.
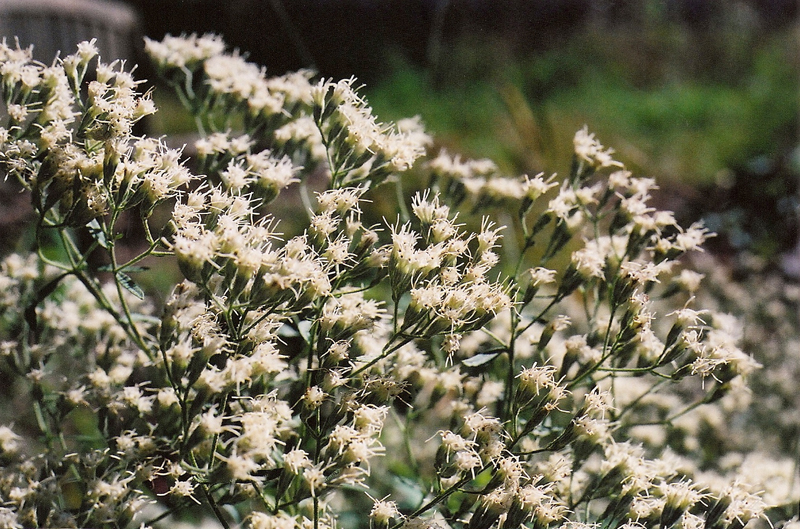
(84, 164)
(359, 147)
(447, 276)
(563, 379)
(482, 182)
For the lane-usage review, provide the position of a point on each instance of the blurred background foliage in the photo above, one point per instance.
(701, 94)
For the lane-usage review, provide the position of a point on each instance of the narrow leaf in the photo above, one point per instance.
(97, 233)
(129, 284)
(480, 359)
(128, 269)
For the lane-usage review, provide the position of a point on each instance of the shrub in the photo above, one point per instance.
(409, 373)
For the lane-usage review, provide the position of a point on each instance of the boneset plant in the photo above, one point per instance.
(410, 373)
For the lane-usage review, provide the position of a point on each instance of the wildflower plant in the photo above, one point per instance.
(412, 373)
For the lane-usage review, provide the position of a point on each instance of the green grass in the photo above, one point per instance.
(654, 96)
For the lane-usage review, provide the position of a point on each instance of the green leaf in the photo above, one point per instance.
(96, 231)
(128, 269)
(129, 284)
(480, 359)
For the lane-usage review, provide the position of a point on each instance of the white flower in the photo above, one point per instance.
(9, 518)
(282, 520)
(541, 276)
(692, 238)
(467, 461)
(383, 512)
(9, 441)
(177, 52)
(340, 200)
(183, 489)
(689, 280)
(536, 378)
(537, 186)
(314, 397)
(588, 149)
(132, 395)
(241, 467)
(453, 442)
(643, 272)
(428, 211)
(589, 262)
(296, 460)
(369, 419)
(167, 397)
(564, 204)
(314, 478)
(271, 174)
(503, 187)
